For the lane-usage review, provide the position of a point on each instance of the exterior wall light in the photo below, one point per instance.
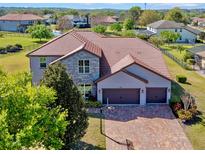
(142, 91)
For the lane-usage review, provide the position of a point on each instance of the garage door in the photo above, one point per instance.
(156, 95)
(121, 96)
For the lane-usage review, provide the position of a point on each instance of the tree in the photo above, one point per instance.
(70, 99)
(116, 27)
(157, 41)
(149, 16)
(64, 24)
(134, 12)
(40, 31)
(177, 15)
(169, 36)
(129, 24)
(99, 29)
(25, 121)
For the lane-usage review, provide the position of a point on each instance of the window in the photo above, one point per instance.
(180, 38)
(85, 90)
(180, 29)
(175, 30)
(42, 62)
(84, 66)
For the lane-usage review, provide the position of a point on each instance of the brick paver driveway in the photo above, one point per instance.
(150, 127)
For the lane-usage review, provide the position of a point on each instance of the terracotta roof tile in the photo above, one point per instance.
(20, 17)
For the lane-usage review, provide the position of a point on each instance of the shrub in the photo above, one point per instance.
(181, 78)
(177, 106)
(116, 27)
(157, 41)
(142, 36)
(184, 114)
(128, 33)
(3, 50)
(19, 46)
(190, 61)
(100, 29)
(93, 104)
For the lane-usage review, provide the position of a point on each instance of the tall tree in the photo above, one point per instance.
(40, 31)
(149, 16)
(25, 121)
(134, 12)
(70, 99)
(177, 15)
(129, 24)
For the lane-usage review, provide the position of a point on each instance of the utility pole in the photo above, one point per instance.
(145, 6)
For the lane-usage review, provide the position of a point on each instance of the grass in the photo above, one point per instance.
(16, 62)
(93, 138)
(195, 86)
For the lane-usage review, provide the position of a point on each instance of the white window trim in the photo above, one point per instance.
(40, 63)
(83, 66)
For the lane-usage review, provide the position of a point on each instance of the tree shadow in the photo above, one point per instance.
(198, 119)
(86, 146)
(40, 42)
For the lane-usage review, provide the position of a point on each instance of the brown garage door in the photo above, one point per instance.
(156, 95)
(121, 96)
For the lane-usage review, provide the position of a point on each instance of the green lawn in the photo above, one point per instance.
(196, 86)
(16, 62)
(93, 138)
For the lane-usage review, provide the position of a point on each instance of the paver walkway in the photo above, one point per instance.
(150, 127)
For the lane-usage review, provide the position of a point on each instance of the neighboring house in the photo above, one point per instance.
(49, 19)
(78, 21)
(199, 54)
(115, 70)
(103, 20)
(199, 21)
(18, 22)
(188, 34)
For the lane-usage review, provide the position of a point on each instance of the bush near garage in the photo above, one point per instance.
(181, 78)
(92, 104)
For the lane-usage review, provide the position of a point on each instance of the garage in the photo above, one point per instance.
(156, 95)
(121, 96)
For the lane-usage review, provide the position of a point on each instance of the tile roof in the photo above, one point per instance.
(165, 24)
(103, 19)
(198, 50)
(196, 19)
(20, 17)
(115, 52)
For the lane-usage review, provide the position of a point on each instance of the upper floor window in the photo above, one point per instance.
(84, 66)
(42, 62)
(175, 30)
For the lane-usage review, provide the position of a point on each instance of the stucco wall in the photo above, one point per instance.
(122, 80)
(36, 71)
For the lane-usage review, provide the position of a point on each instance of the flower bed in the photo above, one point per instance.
(184, 107)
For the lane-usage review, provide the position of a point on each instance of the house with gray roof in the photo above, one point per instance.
(199, 54)
(113, 69)
(188, 34)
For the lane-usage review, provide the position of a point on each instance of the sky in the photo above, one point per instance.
(107, 5)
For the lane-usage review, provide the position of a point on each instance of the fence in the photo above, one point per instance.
(178, 61)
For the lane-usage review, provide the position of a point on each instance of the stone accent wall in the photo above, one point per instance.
(78, 78)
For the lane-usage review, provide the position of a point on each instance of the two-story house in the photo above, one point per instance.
(188, 34)
(117, 70)
(18, 22)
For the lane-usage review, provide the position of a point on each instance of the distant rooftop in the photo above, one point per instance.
(20, 17)
(166, 24)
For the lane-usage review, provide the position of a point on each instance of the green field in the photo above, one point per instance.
(16, 62)
(195, 86)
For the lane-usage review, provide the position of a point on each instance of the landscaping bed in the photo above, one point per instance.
(195, 128)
